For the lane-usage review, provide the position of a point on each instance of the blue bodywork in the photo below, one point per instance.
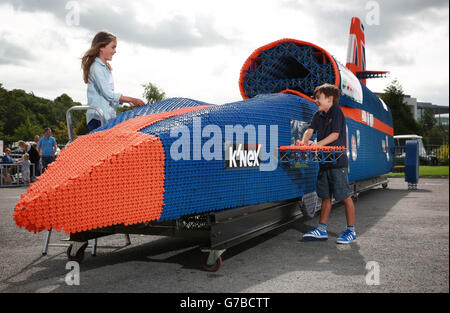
(196, 186)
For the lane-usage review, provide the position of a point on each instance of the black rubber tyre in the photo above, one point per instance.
(210, 268)
(308, 204)
(80, 253)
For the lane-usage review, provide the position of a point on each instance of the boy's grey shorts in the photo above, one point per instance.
(333, 182)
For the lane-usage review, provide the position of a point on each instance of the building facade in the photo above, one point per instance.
(418, 108)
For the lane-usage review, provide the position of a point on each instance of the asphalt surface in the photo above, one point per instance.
(405, 232)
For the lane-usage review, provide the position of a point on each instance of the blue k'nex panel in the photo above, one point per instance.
(195, 185)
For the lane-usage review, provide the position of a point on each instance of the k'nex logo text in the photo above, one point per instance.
(212, 142)
(239, 156)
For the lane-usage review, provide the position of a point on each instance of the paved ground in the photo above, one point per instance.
(406, 233)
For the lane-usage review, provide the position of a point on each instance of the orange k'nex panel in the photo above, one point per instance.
(109, 177)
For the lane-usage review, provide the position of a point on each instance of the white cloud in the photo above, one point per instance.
(195, 49)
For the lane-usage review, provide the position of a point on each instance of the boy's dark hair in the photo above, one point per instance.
(328, 90)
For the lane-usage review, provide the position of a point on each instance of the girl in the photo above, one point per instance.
(25, 163)
(97, 75)
(34, 156)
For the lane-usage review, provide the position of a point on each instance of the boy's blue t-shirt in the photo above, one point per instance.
(7, 160)
(47, 146)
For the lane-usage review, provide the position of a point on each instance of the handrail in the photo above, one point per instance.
(80, 108)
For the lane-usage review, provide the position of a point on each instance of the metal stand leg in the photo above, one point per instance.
(127, 240)
(46, 242)
(94, 244)
(94, 247)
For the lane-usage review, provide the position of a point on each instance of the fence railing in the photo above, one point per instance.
(12, 175)
(440, 152)
(435, 155)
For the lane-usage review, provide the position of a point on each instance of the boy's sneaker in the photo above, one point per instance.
(315, 234)
(347, 236)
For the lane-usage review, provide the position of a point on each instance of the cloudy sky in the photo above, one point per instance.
(196, 48)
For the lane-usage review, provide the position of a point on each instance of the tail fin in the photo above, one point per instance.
(356, 53)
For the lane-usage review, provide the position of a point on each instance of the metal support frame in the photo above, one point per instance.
(295, 157)
(215, 231)
(412, 186)
(93, 247)
(359, 186)
(218, 231)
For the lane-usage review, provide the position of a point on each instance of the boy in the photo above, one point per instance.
(6, 159)
(329, 123)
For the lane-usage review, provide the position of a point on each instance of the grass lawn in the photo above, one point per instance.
(427, 171)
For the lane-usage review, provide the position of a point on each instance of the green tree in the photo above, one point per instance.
(152, 93)
(23, 115)
(60, 106)
(81, 128)
(433, 134)
(2, 112)
(2, 134)
(402, 116)
(27, 130)
(442, 154)
(428, 120)
(60, 133)
(436, 136)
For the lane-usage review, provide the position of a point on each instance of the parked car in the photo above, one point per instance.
(424, 158)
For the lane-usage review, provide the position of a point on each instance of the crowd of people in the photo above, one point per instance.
(37, 155)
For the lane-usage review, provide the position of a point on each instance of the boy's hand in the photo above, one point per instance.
(301, 143)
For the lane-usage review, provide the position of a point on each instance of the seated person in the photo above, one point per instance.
(6, 159)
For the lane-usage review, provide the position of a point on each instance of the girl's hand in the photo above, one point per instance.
(137, 102)
(134, 102)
